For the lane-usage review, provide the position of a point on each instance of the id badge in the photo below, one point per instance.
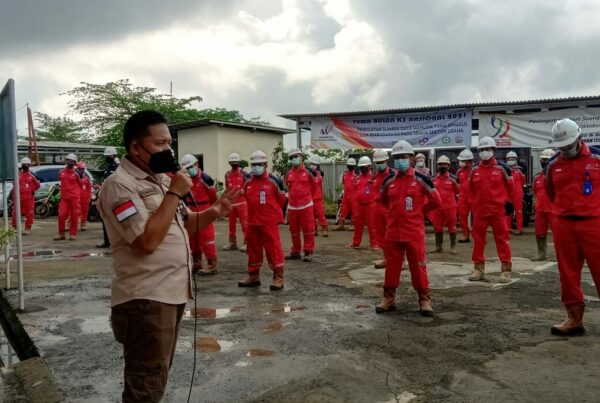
(587, 185)
(409, 203)
(263, 197)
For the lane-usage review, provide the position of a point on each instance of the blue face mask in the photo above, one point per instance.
(258, 170)
(193, 171)
(295, 161)
(381, 167)
(402, 164)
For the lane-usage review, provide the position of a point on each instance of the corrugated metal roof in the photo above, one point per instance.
(481, 106)
(61, 144)
(250, 126)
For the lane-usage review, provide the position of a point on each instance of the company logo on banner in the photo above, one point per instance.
(535, 129)
(447, 128)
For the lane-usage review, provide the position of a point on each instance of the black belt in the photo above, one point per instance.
(575, 217)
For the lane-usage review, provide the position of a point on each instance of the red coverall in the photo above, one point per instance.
(381, 211)
(543, 207)
(28, 184)
(464, 205)
(70, 190)
(408, 197)
(84, 198)
(301, 185)
(491, 187)
(447, 186)
(365, 197)
(265, 198)
(348, 199)
(233, 179)
(205, 194)
(318, 200)
(575, 218)
(518, 182)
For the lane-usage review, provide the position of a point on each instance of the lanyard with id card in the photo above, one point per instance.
(587, 184)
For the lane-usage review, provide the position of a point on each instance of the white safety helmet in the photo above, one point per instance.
(512, 154)
(364, 161)
(71, 157)
(565, 132)
(234, 157)
(314, 159)
(188, 160)
(351, 161)
(25, 160)
(110, 150)
(258, 157)
(547, 154)
(465, 155)
(443, 160)
(295, 151)
(380, 156)
(420, 156)
(402, 147)
(486, 142)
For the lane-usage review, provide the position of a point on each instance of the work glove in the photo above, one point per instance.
(509, 208)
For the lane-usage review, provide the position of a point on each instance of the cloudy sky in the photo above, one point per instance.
(268, 57)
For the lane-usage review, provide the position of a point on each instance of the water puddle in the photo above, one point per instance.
(286, 309)
(274, 327)
(212, 313)
(91, 254)
(258, 352)
(8, 356)
(100, 324)
(39, 253)
(363, 306)
(212, 345)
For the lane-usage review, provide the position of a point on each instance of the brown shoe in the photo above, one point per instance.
(72, 238)
(380, 264)
(211, 267)
(478, 272)
(251, 280)
(339, 227)
(277, 281)
(197, 262)
(60, 237)
(425, 308)
(387, 302)
(573, 325)
(325, 232)
(506, 273)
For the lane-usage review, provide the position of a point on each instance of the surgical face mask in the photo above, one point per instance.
(364, 170)
(193, 171)
(462, 164)
(486, 155)
(420, 164)
(313, 166)
(571, 151)
(295, 161)
(443, 170)
(257, 170)
(511, 162)
(350, 167)
(163, 161)
(402, 164)
(381, 166)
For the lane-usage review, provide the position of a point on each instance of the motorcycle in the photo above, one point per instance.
(47, 205)
(93, 214)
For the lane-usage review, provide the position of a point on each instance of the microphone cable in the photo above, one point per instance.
(195, 299)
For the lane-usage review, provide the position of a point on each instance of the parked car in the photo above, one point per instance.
(9, 187)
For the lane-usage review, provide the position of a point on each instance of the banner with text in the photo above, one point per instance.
(535, 129)
(431, 129)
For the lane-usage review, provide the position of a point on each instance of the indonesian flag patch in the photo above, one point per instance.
(124, 211)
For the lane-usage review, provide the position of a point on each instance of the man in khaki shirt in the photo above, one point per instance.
(147, 225)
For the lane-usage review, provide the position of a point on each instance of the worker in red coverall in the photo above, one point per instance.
(69, 205)
(204, 193)
(447, 186)
(491, 188)
(465, 162)
(86, 193)
(265, 196)
(347, 181)
(301, 189)
(572, 182)
(420, 165)
(408, 195)
(236, 177)
(314, 166)
(382, 171)
(543, 208)
(519, 181)
(28, 184)
(364, 204)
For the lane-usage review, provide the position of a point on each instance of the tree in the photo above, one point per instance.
(59, 129)
(279, 160)
(104, 108)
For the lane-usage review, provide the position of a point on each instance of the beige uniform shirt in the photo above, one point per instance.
(127, 200)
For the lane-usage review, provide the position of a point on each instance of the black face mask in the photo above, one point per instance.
(110, 159)
(25, 168)
(70, 164)
(443, 170)
(543, 164)
(350, 167)
(163, 161)
(364, 170)
(234, 166)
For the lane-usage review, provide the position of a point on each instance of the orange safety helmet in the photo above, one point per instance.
(81, 165)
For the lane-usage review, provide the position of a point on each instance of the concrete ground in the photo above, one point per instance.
(319, 340)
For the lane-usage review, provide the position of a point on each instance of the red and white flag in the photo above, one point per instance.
(124, 211)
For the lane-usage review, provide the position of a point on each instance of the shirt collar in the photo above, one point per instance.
(134, 171)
